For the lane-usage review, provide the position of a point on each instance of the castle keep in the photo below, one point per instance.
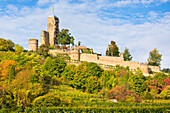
(49, 37)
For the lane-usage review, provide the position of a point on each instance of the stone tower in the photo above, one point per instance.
(44, 38)
(53, 29)
(33, 44)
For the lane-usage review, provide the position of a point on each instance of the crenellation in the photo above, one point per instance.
(33, 44)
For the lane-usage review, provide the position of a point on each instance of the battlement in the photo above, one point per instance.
(33, 41)
(33, 44)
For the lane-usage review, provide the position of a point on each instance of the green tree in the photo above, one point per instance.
(79, 43)
(3, 45)
(160, 77)
(137, 82)
(112, 50)
(18, 48)
(106, 76)
(10, 45)
(64, 37)
(165, 94)
(92, 84)
(126, 55)
(54, 67)
(12, 73)
(43, 50)
(68, 73)
(154, 58)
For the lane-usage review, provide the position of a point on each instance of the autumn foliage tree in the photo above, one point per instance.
(6, 68)
(154, 58)
(112, 50)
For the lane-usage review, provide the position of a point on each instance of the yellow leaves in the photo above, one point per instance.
(6, 68)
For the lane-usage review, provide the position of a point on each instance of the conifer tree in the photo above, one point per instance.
(11, 73)
(126, 55)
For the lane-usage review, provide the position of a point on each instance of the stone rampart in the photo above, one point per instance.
(54, 51)
(88, 57)
(108, 60)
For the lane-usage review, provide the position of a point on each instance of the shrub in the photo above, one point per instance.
(50, 100)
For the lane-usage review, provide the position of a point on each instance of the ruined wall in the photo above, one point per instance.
(74, 54)
(109, 60)
(33, 44)
(54, 51)
(44, 38)
(154, 68)
(53, 29)
(88, 57)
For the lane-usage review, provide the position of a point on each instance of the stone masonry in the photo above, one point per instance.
(53, 29)
(44, 38)
(33, 44)
(107, 60)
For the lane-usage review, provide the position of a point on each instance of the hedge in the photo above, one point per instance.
(146, 109)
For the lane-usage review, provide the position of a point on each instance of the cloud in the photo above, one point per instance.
(123, 3)
(45, 2)
(93, 27)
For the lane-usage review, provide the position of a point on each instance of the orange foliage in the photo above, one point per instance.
(5, 68)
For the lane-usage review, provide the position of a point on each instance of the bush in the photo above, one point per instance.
(157, 109)
(50, 100)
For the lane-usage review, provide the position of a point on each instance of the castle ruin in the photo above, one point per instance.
(33, 44)
(49, 38)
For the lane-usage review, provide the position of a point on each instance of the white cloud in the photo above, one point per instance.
(85, 25)
(44, 2)
(123, 3)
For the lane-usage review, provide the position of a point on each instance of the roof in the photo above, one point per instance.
(81, 47)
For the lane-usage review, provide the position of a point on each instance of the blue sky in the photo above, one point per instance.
(140, 25)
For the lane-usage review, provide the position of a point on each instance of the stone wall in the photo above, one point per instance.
(74, 54)
(108, 60)
(54, 51)
(33, 44)
(88, 57)
(154, 68)
(44, 38)
(53, 29)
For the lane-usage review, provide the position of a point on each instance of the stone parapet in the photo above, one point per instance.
(33, 44)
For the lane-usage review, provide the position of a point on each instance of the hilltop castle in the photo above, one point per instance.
(49, 38)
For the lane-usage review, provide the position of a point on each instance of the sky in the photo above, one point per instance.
(140, 25)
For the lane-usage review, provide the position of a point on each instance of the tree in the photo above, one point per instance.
(165, 94)
(68, 74)
(154, 58)
(64, 37)
(112, 50)
(54, 67)
(6, 68)
(126, 55)
(137, 82)
(43, 50)
(3, 45)
(18, 48)
(79, 43)
(10, 45)
(12, 73)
